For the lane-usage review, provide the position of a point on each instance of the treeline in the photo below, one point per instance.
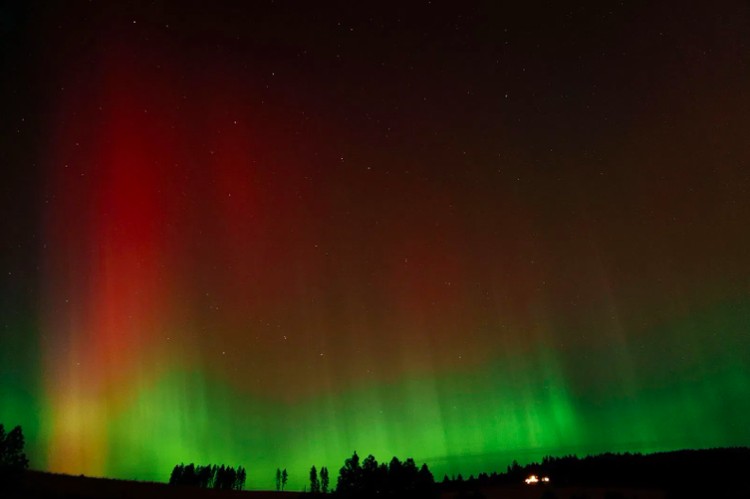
(209, 477)
(714, 468)
(678, 471)
(395, 479)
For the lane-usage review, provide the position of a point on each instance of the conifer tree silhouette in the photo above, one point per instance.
(12, 456)
(314, 483)
(324, 480)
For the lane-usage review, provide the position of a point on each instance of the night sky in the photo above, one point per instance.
(273, 233)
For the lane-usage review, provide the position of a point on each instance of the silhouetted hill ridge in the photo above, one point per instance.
(671, 470)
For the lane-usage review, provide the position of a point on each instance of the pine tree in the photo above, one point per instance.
(350, 476)
(176, 477)
(12, 455)
(324, 480)
(241, 477)
(314, 483)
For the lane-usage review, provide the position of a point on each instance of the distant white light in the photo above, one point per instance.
(535, 479)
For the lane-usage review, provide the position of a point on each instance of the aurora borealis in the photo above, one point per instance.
(272, 233)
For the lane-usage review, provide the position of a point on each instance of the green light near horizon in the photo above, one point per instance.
(187, 417)
(20, 403)
(461, 422)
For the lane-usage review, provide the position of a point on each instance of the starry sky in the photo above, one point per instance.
(272, 233)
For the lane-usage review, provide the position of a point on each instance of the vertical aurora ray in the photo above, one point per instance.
(232, 274)
(107, 244)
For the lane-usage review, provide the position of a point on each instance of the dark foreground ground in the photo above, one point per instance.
(536, 492)
(737, 488)
(43, 485)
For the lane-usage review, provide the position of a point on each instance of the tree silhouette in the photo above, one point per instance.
(188, 475)
(12, 456)
(278, 479)
(176, 476)
(370, 480)
(324, 480)
(284, 478)
(241, 477)
(425, 482)
(314, 483)
(349, 481)
(206, 476)
(13, 461)
(395, 475)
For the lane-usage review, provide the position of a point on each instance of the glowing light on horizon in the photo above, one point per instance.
(533, 479)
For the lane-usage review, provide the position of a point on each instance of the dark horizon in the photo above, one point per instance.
(684, 473)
